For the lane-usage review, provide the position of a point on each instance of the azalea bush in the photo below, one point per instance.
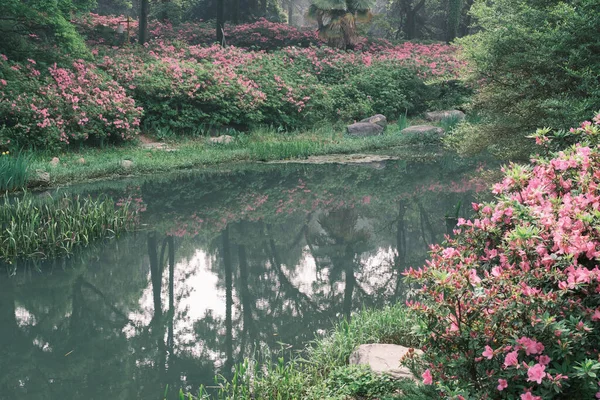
(56, 106)
(183, 87)
(510, 307)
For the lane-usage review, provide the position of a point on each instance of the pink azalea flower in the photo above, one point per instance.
(536, 373)
(511, 359)
(502, 384)
(427, 379)
(544, 360)
(488, 353)
(529, 396)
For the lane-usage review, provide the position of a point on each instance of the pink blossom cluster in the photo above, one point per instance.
(65, 105)
(512, 303)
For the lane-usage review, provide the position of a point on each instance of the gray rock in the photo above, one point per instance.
(126, 164)
(364, 129)
(383, 358)
(157, 146)
(54, 162)
(423, 130)
(378, 119)
(154, 146)
(40, 178)
(437, 116)
(223, 139)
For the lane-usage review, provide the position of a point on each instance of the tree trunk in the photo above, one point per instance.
(290, 12)
(263, 8)
(228, 302)
(145, 7)
(454, 12)
(235, 13)
(220, 22)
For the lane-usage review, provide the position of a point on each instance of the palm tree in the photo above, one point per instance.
(337, 20)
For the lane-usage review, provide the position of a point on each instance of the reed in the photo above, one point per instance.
(13, 171)
(33, 228)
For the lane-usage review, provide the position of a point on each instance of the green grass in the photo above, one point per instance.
(14, 172)
(34, 228)
(322, 371)
(260, 145)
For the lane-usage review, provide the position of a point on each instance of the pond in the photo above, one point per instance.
(226, 262)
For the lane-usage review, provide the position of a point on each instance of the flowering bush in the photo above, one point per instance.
(185, 86)
(63, 105)
(510, 307)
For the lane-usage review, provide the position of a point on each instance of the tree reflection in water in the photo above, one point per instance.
(253, 260)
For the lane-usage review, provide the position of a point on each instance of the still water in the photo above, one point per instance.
(226, 262)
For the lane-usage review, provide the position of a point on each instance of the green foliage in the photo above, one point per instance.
(14, 171)
(30, 29)
(536, 65)
(47, 228)
(324, 373)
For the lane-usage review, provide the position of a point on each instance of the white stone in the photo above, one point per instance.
(383, 358)
(126, 164)
(223, 139)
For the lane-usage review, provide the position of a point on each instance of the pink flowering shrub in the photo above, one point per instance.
(62, 106)
(510, 307)
(186, 86)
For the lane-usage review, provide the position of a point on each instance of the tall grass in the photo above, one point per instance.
(34, 228)
(14, 172)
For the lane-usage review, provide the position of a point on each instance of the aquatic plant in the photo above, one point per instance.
(34, 228)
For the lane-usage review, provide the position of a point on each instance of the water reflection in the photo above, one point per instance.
(227, 263)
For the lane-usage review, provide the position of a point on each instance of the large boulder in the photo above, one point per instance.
(378, 119)
(384, 359)
(39, 178)
(437, 116)
(423, 130)
(364, 129)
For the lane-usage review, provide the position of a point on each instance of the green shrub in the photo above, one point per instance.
(535, 64)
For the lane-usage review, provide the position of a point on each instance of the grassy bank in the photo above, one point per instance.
(323, 371)
(262, 145)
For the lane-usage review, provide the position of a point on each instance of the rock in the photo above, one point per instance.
(154, 146)
(423, 130)
(126, 164)
(81, 160)
(40, 178)
(223, 139)
(378, 119)
(383, 358)
(364, 129)
(437, 116)
(54, 162)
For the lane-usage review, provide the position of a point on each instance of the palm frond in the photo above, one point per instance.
(360, 5)
(330, 5)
